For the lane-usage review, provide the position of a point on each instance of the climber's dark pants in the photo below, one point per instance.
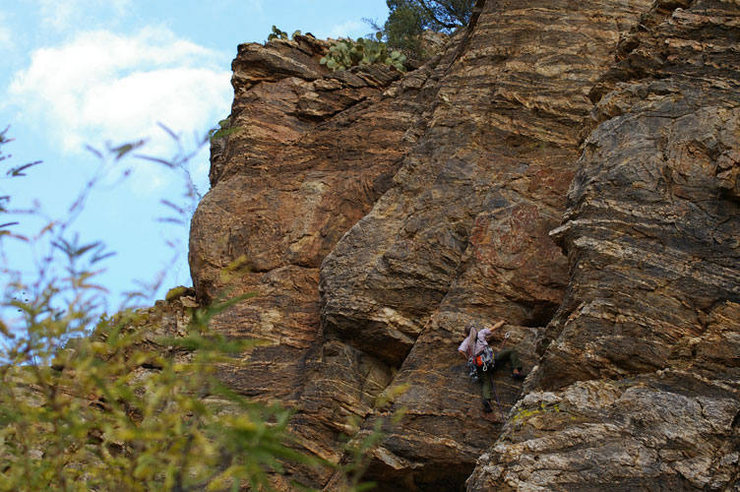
(500, 359)
(511, 355)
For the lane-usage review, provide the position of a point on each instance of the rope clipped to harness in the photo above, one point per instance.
(485, 359)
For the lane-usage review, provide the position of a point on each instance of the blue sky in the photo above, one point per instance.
(100, 73)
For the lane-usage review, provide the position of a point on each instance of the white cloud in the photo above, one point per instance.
(61, 15)
(6, 35)
(106, 87)
(352, 29)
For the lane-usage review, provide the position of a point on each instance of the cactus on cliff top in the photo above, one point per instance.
(346, 53)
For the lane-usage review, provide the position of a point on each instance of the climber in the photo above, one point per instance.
(476, 351)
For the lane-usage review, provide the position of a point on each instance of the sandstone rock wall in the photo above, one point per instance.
(639, 381)
(463, 234)
(283, 193)
(376, 215)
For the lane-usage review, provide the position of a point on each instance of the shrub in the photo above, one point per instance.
(93, 402)
(346, 53)
(408, 19)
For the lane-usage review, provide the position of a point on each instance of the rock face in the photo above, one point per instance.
(284, 193)
(639, 377)
(568, 167)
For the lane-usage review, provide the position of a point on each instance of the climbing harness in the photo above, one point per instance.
(472, 369)
(486, 359)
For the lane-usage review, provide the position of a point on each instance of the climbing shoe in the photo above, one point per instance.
(517, 374)
(487, 406)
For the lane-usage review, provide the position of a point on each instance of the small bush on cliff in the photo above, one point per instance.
(409, 19)
(224, 130)
(346, 53)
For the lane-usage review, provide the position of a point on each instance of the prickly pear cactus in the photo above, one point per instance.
(346, 53)
(277, 34)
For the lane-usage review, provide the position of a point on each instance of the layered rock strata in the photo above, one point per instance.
(463, 234)
(638, 387)
(283, 193)
(304, 155)
(376, 215)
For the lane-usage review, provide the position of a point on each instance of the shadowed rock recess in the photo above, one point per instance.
(570, 167)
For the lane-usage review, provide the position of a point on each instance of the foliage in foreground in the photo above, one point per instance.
(111, 414)
(13, 172)
(91, 402)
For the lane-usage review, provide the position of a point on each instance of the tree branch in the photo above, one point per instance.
(434, 17)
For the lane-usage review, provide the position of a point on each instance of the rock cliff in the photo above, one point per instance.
(568, 167)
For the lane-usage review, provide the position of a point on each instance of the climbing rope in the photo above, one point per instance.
(493, 385)
(495, 394)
